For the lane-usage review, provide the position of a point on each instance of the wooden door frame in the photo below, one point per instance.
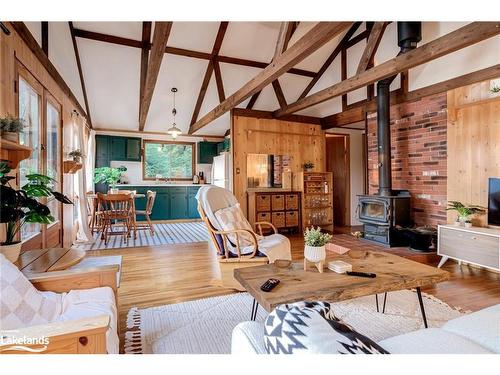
(40, 240)
(347, 163)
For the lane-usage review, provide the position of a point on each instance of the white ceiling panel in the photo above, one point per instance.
(111, 75)
(62, 55)
(251, 40)
(35, 29)
(198, 36)
(293, 85)
(186, 74)
(131, 30)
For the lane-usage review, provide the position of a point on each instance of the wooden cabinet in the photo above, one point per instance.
(281, 208)
(317, 198)
(109, 147)
(476, 245)
(206, 152)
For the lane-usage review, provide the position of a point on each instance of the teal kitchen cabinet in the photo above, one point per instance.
(133, 149)
(193, 203)
(161, 207)
(118, 147)
(178, 203)
(206, 152)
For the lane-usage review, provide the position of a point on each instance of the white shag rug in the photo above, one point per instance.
(204, 326)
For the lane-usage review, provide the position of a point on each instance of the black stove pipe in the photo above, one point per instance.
(409, 34)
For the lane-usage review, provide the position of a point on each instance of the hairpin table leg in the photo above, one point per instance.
(422, 309)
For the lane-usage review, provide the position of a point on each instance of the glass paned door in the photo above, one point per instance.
(53, 153)
(30, 112)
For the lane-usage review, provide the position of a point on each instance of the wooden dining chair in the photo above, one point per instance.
(93, 214)
(150, 201)
(116, 210)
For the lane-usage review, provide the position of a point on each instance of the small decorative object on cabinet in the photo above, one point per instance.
(308, 166)
(465, 211)
(317, 198)
(21, 206)
(10, 127)
(314, 249)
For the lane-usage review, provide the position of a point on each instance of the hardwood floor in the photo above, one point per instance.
(153, 276)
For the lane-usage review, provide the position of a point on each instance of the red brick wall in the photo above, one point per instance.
(419, 152)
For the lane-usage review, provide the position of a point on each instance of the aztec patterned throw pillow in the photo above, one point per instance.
(311, 327)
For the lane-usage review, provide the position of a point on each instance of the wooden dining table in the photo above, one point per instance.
(94, 207)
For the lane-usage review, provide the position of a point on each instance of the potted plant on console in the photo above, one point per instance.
(308, 166)
(110, 176)
(10, 128)
(18, 207)
(314, 249)
(465, 212)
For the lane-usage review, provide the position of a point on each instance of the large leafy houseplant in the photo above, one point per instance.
(18, 207)
(109, 175)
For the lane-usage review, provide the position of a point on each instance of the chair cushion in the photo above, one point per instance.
(78, 304)
(482, 327)
(275, 246)
(311, 327)
(231, 218)
(432, 341)
(22, 305)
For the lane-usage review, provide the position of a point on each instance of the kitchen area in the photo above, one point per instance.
(196, 161)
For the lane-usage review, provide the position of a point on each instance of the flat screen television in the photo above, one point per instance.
(494, 201)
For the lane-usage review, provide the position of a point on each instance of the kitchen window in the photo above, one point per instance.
(168, 160)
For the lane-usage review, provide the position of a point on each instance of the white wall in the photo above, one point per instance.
(357, 167)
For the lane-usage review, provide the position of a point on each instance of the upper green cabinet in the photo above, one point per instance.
(109, 147)
(206, 152)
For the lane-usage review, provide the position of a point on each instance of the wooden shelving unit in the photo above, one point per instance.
(71, 167)
(13, 152)
(317, 198)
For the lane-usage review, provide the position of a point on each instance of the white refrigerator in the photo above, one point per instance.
(222, 171)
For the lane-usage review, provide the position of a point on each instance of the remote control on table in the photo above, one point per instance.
(269, 285)
(361, 274)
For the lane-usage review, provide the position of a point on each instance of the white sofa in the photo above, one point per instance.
(475, 333)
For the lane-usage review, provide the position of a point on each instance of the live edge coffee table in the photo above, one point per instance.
(393, 273)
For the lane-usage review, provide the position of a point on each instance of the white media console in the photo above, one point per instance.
(475, 245)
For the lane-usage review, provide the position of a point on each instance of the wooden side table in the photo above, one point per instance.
(47, 260)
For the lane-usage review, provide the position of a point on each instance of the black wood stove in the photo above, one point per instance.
(384, 213)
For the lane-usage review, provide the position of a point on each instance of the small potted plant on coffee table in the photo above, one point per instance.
(10, 128)
(314, 249)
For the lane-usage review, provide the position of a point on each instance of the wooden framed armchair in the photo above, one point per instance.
(233, 239)
(61, 312)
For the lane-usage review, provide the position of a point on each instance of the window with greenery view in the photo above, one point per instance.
(172, 160)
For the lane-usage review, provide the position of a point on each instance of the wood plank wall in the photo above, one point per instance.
(250, 135)
(13, 48)
(473, 144)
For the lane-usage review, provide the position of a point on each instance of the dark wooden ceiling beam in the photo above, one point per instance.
(279, 93)
(269, 115)
(208, 72)
(160, 38)
(331, 58)
(106, 38)
(80, 72)
(451, 42)
(45, 37)
(34, 47)
(146, 40)
(281, 45)
(315, 38)
(357, 111)
(371, 47)
(219, 82)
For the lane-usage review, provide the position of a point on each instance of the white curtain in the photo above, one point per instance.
(83, 235)
(90, 161)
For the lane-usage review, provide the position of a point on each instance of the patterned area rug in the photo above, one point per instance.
(204, 326)
(165, 233)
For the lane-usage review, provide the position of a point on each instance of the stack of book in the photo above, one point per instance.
(339, 266)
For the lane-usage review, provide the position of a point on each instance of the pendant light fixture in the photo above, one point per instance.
(174, 131)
